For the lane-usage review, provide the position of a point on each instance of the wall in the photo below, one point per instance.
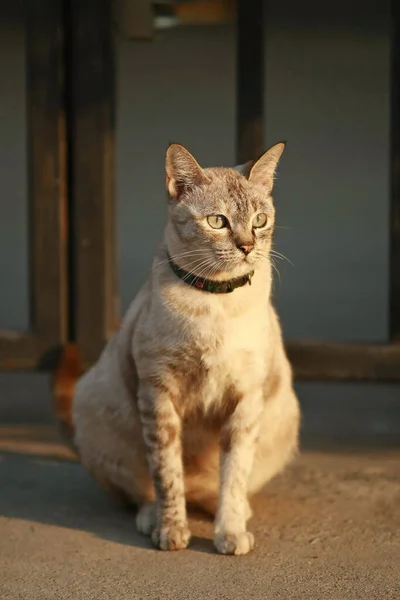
(14, 274)
(327, 93)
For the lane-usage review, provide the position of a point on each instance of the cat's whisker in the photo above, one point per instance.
(180, 255)
(269, 258)
(186, 265)
(193, 264)
(188, 253)
(219, 266)
(280, 256)
(202, 265)
(208, 270)
(198, 264)
(214, 269)
(275, 268)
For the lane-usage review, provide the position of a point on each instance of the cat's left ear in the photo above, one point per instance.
(182, 171)
(263, 170)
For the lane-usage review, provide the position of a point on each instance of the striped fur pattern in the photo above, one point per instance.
(191, 401)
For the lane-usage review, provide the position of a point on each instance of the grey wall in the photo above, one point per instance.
(13, 171)
(327, 94)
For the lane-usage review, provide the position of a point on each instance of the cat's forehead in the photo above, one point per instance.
(233, 190)
(231, 180)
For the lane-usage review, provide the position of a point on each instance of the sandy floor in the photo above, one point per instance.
(329, 528)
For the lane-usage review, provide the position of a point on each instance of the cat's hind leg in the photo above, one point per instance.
(278, 440)
(146, 518)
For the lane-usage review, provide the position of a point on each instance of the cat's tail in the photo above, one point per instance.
(68, 372)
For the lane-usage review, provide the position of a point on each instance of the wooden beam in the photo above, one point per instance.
(250, 79)
(91, 99)
(46, 193)
(204, 12)
(395, 177)
(331, 361)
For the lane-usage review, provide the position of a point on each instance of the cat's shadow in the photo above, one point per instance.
(61, 493)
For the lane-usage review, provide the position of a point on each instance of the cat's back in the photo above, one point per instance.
(109, 384)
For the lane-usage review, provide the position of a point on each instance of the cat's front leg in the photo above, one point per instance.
(162, 435)
(238, 443)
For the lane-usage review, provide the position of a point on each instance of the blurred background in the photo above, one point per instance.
(91, 94)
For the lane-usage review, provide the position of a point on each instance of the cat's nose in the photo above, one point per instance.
(246, 248)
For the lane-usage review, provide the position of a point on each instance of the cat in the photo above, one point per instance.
(191, 401)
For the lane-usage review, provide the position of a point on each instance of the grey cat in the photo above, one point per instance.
(191, 400)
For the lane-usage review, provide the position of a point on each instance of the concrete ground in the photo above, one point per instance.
(326, 529)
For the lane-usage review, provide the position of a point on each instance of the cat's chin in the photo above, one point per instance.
(232, 271)
(236, 266)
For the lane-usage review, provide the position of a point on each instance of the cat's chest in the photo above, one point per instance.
(226, 342)
(232, 351)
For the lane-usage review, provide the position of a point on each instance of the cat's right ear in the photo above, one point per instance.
(182, 171)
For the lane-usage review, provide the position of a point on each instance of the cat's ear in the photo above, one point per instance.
(182, 171)
(263, 170)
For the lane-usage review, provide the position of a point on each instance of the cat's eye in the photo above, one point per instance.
(260, 220)
(217, 221)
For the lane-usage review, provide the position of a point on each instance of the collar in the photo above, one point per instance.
(210, 285)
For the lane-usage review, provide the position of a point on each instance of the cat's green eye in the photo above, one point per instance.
(217, 221)
(260, 220)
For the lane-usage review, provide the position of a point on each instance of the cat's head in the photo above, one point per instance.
(220, 220)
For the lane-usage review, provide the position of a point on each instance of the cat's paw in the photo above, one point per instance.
(146, 518)
(175, 537)
(234, 543)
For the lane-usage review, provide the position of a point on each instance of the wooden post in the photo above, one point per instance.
(90, 99)
(395, 178)
(250, 79)
(39, 347)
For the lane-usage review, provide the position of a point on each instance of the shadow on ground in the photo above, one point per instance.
(61, 493)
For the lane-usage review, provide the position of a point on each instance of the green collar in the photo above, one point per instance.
(209, 285)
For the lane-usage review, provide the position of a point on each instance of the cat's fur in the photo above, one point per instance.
(192, 399)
